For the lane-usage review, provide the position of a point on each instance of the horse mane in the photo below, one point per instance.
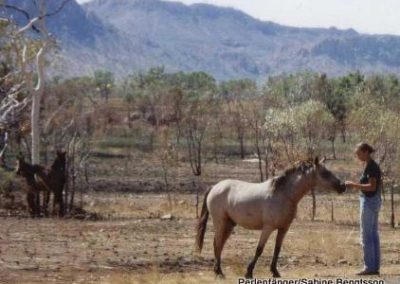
(300, 167)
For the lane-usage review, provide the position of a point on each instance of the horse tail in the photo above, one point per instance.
(202, 224)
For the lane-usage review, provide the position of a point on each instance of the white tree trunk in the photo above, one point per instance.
(35, 128)
(38, 91)
(28, 70)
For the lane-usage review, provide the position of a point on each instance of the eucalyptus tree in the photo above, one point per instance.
(298, 132)
(30, 44)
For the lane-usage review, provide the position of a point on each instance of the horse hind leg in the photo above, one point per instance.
(266, 232)
(222, 233)
(46, 200)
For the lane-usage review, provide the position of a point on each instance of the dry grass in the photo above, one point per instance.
(113, 205)
(142, 248)
(125, 206)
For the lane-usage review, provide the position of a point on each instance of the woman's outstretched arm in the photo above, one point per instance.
(370, 186)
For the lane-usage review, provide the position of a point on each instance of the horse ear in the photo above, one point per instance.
(316, 161)
(61, 152)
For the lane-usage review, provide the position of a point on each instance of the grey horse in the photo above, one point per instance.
(266, 206)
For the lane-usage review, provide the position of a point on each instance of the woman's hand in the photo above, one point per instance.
(350, 184)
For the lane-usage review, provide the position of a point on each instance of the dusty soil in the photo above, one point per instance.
(133, 244)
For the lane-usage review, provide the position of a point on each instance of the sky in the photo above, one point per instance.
(365, 16)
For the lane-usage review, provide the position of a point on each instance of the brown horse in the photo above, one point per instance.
(29, 172)
(55, 178)
(40, 179)
(266, 206)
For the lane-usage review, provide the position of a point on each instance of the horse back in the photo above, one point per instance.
(250, 205)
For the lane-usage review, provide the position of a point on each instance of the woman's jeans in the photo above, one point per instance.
(369, 211)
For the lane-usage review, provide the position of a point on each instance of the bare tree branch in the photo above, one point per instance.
(29, 25)
(5, 140)
(25, 13)
(12, 109)
(55, 12)
(32, 21)
(2, 152)
(4, 20)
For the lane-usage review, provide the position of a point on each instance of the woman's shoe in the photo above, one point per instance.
(365, 273)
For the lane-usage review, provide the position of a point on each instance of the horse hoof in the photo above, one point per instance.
(220, 276)
(276, 275)
(248, 275)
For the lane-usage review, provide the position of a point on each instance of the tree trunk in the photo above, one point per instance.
(35, 128)
(38, 91)
(333, 148)
(86, 173)
(266, 167)
(258, 152)
(241, 141)
(197, 199)
(260, 164)
(392, 218)
(67, 187)
(73, 175)
(343, 132)
(314, 205)
(178, 135)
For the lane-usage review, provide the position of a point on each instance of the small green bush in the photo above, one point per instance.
(6, 181)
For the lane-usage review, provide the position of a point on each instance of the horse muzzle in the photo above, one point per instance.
(342, 188)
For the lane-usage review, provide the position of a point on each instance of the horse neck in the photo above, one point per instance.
(57, 165)
(300, 185)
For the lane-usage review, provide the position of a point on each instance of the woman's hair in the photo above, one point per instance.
(365, 147)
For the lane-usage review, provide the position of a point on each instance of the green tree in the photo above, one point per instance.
(104, 81)
(236, 94)
(298, 131)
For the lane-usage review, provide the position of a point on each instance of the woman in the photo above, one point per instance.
(370, 202)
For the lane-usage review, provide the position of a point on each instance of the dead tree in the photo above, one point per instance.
(196, 125)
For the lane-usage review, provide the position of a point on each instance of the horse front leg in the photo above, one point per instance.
(30, 198)
(58, 204)
(278, 244)
(266, 232)
(37, 209)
